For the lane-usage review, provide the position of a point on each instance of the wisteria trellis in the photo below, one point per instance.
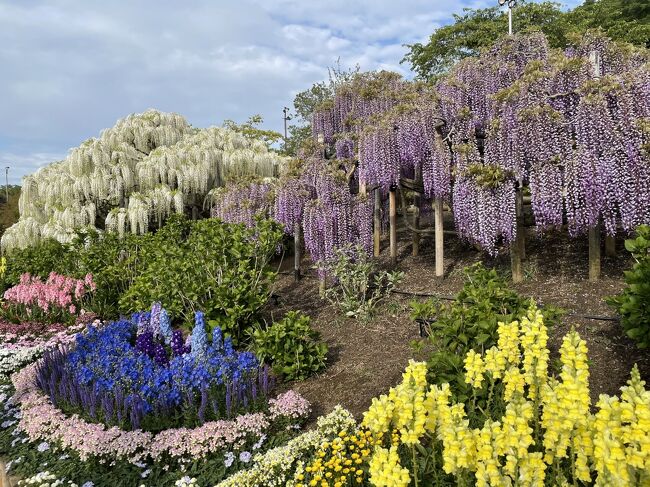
(575, 134)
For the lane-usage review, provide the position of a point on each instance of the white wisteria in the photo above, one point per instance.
(133, 176)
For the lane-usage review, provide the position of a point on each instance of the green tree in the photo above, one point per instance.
(476, 29)
(623, 20)
(251, 129)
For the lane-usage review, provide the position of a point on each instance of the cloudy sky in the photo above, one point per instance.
(69, 68)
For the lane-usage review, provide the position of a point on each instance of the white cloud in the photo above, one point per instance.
(69, 68)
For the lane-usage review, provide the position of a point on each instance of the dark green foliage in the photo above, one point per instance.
(633, 304)
(9, 209)
(476, 29)
(39, 260)
(291, 346)
(114, 263)
(469, 322)
(220, 269)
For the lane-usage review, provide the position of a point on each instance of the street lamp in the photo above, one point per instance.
(285, 110)
(511, 4)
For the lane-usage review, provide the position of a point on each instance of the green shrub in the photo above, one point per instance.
(359, 286)
(633, 304)
(39, 260)
(221, 269)
(468, 322)
(291, 346)
(114, 263)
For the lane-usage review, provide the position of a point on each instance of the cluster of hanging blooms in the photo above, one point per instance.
(133, 176)
(570, 127)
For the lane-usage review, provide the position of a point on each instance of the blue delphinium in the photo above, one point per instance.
(217, 339)
(199, 341)
(125, 366)
(165, 326)
(154, 323)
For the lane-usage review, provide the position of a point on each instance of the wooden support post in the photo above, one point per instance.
(521, 229)
(594, 233)
(516, 246)
(610, 246)
(416, 214)
(296, 251)
(594, 253)
(195, 213)
(377, 223)
(439, 236)
(392, 213)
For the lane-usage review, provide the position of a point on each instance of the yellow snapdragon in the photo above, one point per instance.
(385, 469)
(474, 368)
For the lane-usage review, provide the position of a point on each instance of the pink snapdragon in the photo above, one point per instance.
(59, 296)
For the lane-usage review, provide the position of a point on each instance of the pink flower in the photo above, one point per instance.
(42, 421)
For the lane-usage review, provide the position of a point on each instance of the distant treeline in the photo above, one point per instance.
(8, 210)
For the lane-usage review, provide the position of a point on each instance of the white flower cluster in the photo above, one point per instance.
(46, 479)
(275, 467)
(186, 482)
(13, 359)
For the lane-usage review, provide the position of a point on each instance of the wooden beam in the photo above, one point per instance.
(610, 246)
(521, 229)
(296, 251)
(416, 214)
(439, 236)
(516, 246)
(392, 213)
(376, 232)
(594, 253)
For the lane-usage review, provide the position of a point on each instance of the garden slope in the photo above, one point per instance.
(366, 360)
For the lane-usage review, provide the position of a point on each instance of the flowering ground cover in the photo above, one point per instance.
(136, 398)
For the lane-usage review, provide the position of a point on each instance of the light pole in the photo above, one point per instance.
(511, 4)
(285, 110)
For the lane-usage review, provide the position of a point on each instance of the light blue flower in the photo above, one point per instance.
(43, 446)
(199, 340)
(165, 326)
(245, 456)
(229, 459)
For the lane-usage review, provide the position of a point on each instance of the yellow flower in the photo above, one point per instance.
(385, 469)
(474, 369)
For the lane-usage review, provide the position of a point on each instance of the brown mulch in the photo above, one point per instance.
(365, 360)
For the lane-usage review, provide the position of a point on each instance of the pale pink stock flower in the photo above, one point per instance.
(42, 421)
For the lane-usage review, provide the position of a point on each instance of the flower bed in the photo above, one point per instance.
(58, 299)
(537, 430)
(57, 414)
(141, 374)
(23, 343)
(40, 420)
(276, 467)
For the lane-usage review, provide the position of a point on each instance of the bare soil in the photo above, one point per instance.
(365, 360)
